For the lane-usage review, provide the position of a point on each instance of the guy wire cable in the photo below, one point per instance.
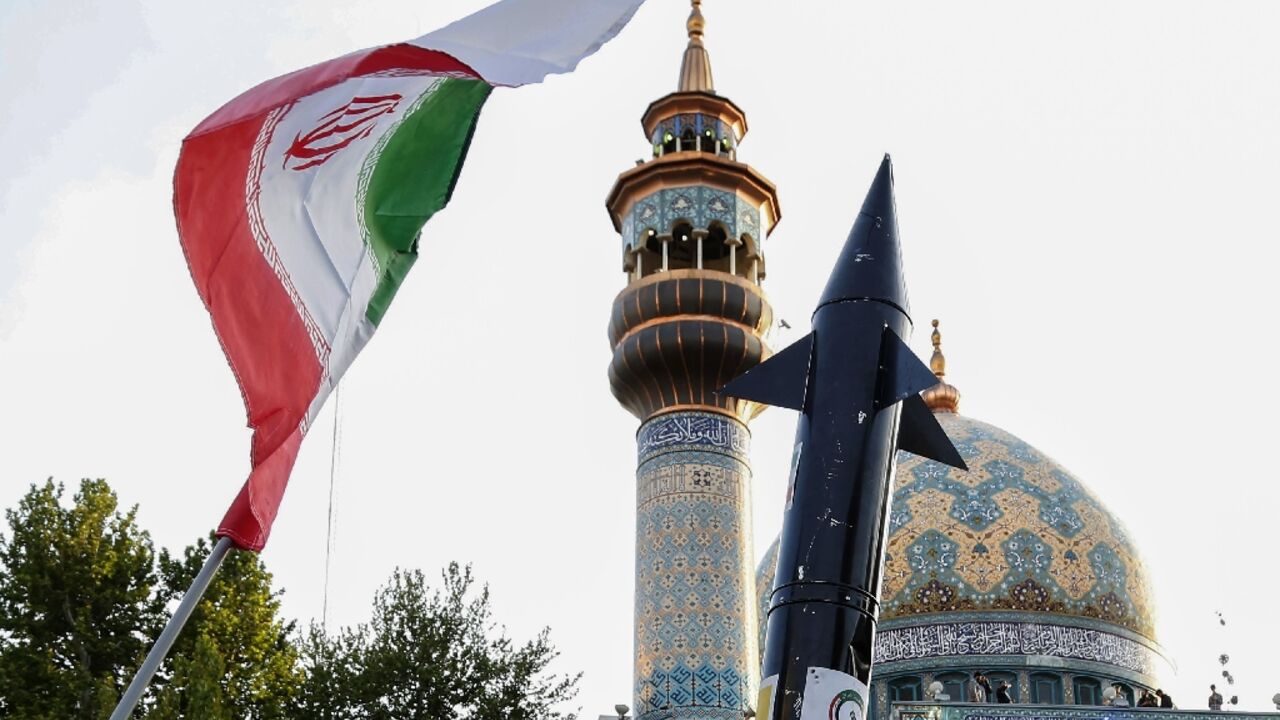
(334, 454)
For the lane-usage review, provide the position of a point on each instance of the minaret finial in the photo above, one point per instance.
(695, 70)
(942, 397)
(696, 21)
(937, 363)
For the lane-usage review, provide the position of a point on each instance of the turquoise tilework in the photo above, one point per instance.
(699, 206)
(696, 646)
(1017, 532)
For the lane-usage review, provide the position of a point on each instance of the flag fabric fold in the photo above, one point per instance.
(299, 205)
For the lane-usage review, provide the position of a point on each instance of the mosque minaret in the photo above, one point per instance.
(691, 317)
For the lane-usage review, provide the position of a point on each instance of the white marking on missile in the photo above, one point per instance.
(834, 522)
(861, 416)
(800, 572)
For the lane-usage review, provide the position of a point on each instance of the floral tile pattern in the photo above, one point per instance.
(696, 644)
(1016, 534)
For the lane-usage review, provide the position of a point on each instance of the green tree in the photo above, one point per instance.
(431, 653)
(76, 604)
(332, 674)
(195, 691)
(234, 659)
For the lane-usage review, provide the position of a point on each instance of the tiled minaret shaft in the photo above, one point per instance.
(691, 318)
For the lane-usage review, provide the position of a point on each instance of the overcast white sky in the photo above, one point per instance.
(1087, 195)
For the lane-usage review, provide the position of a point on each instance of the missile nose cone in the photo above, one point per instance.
(870, 265)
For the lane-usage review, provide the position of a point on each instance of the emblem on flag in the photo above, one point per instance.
(338, 129)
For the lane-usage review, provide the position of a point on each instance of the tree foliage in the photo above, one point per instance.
(431, 653)
(83, 595)
(194, 691)
(77, 606)
(235, 640)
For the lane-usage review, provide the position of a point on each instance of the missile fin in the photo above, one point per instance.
(902, 373)
(780, 381)
(920, 433)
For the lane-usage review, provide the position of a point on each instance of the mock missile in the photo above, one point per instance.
(857, 387)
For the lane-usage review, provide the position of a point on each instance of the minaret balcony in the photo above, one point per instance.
(680, 335)
(695, 133)
(693, 210)
(750, 191)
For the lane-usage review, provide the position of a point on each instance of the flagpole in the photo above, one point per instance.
(142, 678)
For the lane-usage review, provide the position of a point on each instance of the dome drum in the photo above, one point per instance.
(974, 641)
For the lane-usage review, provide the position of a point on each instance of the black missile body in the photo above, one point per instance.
(856, 385)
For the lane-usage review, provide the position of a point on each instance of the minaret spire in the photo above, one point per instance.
(695, 69)
(943, 397)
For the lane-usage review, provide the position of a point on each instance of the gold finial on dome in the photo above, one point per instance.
(695, 69)
(941, 397)
(937, 363)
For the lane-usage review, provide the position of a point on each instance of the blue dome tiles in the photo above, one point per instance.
(1017, 533)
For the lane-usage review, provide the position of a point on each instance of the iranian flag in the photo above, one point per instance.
(299, 205)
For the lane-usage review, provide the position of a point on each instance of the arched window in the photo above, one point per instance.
(1088, 691)
(650, 254)
(714, 247)
(683, 248)
(651, 242)
(1046, 688)
(953, 685)
(668, 142)
(688, 140)
(709, 143)
(905, 689)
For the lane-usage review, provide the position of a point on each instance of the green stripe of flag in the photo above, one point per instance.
(413, 177)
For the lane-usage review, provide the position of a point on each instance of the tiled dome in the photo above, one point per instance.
(1015, 533)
